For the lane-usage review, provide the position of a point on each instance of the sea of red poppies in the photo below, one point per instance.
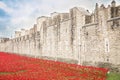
(16, 67)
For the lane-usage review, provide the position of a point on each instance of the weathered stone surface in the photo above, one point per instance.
(76, 37)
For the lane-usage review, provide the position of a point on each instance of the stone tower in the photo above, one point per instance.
(113, 3)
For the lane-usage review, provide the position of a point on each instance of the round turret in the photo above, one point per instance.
(113, 3)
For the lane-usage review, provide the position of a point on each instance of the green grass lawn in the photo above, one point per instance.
(113, 76)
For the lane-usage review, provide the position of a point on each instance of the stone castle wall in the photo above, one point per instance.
(77, 35)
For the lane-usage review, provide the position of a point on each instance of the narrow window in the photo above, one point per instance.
(107, 46)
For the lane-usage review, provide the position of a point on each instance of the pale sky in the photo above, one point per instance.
(17, 14)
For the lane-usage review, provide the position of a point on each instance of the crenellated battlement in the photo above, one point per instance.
(78, 35)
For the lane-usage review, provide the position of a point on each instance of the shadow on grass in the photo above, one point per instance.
(113, 76)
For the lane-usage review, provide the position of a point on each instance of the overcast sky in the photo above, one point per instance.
(17, 14)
